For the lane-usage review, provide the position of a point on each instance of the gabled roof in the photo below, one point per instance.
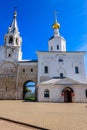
(61, 81)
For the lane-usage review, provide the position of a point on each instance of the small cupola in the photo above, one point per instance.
(56, 42)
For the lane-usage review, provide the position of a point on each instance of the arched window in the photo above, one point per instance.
(9, 55)
(61, 75)
(57, 47)
(16, 41)
(46, 93)
(51, 48)
(76, 69)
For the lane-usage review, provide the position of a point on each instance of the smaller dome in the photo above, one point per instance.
(56, 25)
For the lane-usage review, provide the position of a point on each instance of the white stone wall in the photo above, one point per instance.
(67, 67)
(56, 93)
(15, 54)
(27, 75)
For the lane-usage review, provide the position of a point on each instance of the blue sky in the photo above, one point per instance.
(35, 19)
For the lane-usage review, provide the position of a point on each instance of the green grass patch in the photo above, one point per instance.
(30, 99)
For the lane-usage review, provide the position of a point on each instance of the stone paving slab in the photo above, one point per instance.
(53, 116)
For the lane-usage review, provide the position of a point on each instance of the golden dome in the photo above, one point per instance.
(56, 25)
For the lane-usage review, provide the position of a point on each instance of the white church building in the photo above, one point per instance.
(59, 75)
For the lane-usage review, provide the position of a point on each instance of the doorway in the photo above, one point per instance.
(67, 94)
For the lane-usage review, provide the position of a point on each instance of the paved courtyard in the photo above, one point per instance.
(4, 125)
(52, 116)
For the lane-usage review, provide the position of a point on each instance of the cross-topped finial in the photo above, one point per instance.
(56, 25)
(55, 14)
(15, 12)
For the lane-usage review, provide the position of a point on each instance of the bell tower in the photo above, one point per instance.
(13, 40)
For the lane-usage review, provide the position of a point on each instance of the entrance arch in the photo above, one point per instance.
(68, 93)
(29, 91)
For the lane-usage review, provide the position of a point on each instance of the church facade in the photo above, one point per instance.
(59, 75)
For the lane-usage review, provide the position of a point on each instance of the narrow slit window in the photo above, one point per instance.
(31, 70)
(23, 70)
(46, 69)
(51, 48)
(57, 47)
(86, 93)
(6, 88)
